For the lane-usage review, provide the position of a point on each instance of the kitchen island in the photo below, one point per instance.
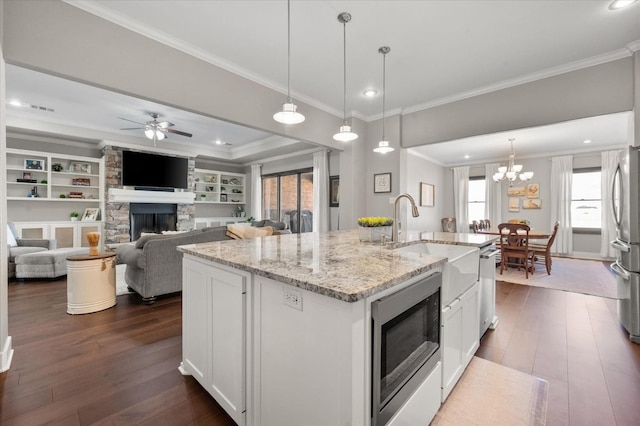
(278, 329)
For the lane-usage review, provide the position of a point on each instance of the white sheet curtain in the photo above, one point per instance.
(321, 191)
(461, 197)
(493, 195)
(256, 191)
(609, 163)
(561, 180)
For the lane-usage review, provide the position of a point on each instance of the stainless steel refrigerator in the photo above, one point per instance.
(626, 182)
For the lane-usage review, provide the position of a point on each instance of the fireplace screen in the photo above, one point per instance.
(151, 217)
(406, 344)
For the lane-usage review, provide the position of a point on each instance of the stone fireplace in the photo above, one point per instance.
(120, 202)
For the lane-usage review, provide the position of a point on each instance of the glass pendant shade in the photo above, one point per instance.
(288, 115)
(383, 147)
(345, 134)
(150, 132)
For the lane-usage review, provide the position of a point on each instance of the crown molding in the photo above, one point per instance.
(424, 157)
(550, 72)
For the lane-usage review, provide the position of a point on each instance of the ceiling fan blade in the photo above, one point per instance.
(126, 119)
(133, 128)
(178, 132)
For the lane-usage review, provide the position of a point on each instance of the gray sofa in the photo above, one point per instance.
(154, 265)
(24, 246)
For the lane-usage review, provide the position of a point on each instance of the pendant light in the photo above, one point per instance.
(288, 115)
(345, 134)
(383, 146)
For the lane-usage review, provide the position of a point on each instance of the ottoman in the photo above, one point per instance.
(46, 264)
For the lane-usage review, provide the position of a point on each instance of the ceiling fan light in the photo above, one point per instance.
(160, 135)
(288, 115)
(345, 134)
(383, 147)
(148, 132)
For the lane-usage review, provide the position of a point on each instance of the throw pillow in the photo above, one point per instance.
(11, 240)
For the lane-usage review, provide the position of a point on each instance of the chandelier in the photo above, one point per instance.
(513, 171)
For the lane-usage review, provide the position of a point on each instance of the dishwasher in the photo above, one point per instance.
(487, 288)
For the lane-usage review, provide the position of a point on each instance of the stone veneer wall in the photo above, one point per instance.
(116, 215)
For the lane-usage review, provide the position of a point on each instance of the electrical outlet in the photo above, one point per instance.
(292, 298)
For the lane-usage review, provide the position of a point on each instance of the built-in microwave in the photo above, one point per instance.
(405, 344)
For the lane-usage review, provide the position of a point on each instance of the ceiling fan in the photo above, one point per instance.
(155, 129)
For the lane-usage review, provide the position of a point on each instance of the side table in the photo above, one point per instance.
(91, 283)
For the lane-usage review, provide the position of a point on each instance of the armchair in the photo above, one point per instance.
(18, 246)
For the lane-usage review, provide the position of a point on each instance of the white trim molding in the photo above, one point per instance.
(119, 195)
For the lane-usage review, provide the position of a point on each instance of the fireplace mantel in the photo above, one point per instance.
(119, 195)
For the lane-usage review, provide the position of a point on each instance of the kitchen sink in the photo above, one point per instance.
(459, 273)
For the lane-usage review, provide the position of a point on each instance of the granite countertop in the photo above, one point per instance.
(334, 263)
(469, 239)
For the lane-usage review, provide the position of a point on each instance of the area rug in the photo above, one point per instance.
(494, 395)
(576, 275)
(121, 286)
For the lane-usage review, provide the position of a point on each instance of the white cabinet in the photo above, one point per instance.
(217, 187)
(460, 337)
(214, 332)
(66, 234)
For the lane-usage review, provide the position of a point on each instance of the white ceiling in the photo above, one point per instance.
(440, 51)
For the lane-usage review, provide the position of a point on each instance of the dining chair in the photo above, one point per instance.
(475, 226)
(542, 252)
(448, 224)
(514, 247)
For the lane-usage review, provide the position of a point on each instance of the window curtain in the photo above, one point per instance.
(493, 195)
(256, 191)
(561, 179)
(461, 197)
(608, 232)
(321, 191)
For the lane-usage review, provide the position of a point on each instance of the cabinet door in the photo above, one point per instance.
(451, 346)
(195, 320)
(470, 323)
(227, 363)
(64, 234)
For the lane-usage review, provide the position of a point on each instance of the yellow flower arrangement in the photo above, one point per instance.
(375, 221)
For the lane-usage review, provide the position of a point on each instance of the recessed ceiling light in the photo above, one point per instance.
(619, 4)
(466, 156)
(16, 103)
(370, 93)
(587, 141)
(219, 142)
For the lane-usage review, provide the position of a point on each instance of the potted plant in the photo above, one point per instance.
(74, 216)
(374, 228)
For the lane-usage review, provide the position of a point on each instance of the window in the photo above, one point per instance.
(586, 200)
(288, 197)
(477, 199)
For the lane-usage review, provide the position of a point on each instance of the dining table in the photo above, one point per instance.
(533, 233)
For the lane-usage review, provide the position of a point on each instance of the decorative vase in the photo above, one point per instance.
(374, 233)
(94, 239)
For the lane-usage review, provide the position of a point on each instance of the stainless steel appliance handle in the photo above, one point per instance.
(619, 271)
(620, 246)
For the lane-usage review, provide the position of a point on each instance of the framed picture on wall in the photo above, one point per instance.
(382, 182)
(533, 190)
(334, 191)
(427, 194)
(532, 203)
(514, 204)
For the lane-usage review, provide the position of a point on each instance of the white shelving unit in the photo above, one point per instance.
(47, 187)
(215, 187)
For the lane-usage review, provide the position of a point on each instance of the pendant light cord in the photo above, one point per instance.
(344, 70)
(384, 88)
(289, 51)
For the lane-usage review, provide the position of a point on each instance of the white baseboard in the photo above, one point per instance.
(6, 355)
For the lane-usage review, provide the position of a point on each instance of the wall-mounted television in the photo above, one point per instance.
(148, 171)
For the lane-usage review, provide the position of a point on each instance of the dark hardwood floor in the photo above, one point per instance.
(119, 366)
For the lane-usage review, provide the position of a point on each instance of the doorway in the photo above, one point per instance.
(288, 197)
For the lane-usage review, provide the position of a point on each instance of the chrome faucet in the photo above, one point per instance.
(414, 212)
